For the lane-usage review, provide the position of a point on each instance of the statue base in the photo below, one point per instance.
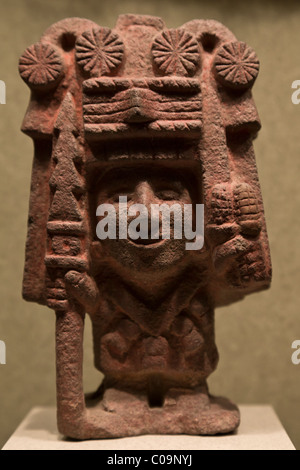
(122, 414)
(260, 429)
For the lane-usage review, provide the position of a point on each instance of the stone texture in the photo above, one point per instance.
(161, 116)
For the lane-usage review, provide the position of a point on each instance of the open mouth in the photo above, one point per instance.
(147, 241)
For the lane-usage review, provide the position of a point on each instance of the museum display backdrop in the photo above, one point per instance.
(159, 116)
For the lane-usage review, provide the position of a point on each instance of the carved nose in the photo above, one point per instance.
(140, 110)
(144, 194)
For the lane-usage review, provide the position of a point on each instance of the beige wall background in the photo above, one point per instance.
(254, 336)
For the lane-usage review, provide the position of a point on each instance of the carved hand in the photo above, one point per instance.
(84, 289)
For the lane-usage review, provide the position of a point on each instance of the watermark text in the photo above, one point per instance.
(159, 222)
(2, 92)
(2, 352)
(296, 354)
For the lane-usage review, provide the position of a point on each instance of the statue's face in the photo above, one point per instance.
(153, 249)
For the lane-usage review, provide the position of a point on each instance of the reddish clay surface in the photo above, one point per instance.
(159, 115)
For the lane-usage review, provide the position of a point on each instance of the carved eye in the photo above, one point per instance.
(168, 195)
(236, 65)
(41, 66)
(99, 51)
(176, 52)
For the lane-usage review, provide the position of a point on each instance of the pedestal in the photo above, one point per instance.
(260, 429)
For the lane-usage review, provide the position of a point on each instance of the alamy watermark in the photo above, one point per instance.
(2, 352)
(296, 354)
(2, 92)
(162, 221)
(296, 94)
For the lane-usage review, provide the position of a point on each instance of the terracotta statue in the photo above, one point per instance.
(150, 116)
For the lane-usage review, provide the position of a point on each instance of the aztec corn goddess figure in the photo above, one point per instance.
(156, 116)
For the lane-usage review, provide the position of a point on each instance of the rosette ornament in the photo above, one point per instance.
(99, 51)
(236, 65)
(176, 52)
(41, 66)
